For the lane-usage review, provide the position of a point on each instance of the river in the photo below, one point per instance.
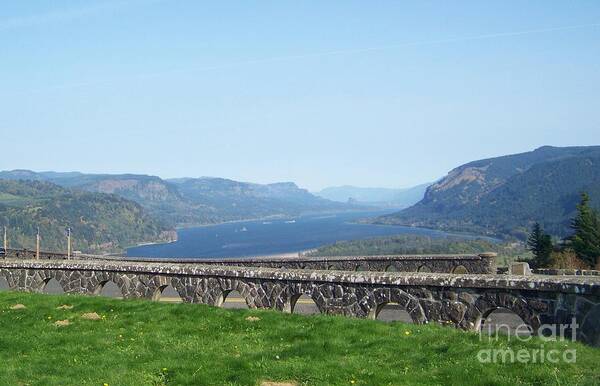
(269, 237)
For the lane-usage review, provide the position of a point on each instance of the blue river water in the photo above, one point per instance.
(268, 237)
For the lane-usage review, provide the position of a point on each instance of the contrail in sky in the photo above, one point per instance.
(379, 48)
(333, 53)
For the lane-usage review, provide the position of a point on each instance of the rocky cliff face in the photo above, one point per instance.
(138, 188)
(504, 195)
(232, 200)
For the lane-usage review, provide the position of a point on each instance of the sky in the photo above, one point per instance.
(385, 94)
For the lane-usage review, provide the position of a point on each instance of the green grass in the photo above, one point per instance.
(148, 343)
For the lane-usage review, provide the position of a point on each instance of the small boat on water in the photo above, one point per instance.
(290, 222)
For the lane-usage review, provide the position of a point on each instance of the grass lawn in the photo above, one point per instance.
(148, 343)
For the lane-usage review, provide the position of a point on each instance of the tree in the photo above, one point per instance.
(540, 244)
(586, 239)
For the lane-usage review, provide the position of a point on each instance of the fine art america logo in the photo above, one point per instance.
(524, 333)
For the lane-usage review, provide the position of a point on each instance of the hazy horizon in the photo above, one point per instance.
(321, 94)
(183, 177)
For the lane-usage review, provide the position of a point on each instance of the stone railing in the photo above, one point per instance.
(462, 300)
(557, 271)
(29, 254)
(482, 263)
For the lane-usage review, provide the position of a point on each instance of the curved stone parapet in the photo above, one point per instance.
(460, 300)
(482, 263)
(558, 271)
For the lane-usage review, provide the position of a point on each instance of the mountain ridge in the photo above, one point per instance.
(503, 196)
(382, 197)
(194, 201)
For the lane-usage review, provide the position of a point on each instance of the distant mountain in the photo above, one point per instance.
(505, 195)
(233, 200)
(382, 197)
(194, 201)
(100, 222)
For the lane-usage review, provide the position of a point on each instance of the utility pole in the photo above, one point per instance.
(68, 243)
(37, 244)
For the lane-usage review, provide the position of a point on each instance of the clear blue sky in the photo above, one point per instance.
(321, 93)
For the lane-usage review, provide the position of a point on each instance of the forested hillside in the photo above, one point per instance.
(99, 222)
(221, 199)
(506, 195)
(420, 244)
(194, 201)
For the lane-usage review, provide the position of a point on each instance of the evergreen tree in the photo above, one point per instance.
(586, 239)
(540, 244)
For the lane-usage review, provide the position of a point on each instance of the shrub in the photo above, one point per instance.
(567, 259)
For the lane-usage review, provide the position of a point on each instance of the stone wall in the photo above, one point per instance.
(482, 263)
(29, 254)
(557, 271)
(459, 300)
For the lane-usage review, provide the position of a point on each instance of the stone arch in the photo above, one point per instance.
(460, 270)
(391, 268)
(590, 329)
(490, 302)
(504, 321)
(4, 286)
(37, 279)
(167, 293)
(228, 287)
(362, 267)
(402, 300)
(392, 312)
(424, 268)
(52, 286)
(109, 288)
(234, 299)
(303, 304)
(293, 293)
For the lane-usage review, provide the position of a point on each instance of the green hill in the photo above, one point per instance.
(99, 222)
(157, 196)
(504, 196)
(194, 201)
